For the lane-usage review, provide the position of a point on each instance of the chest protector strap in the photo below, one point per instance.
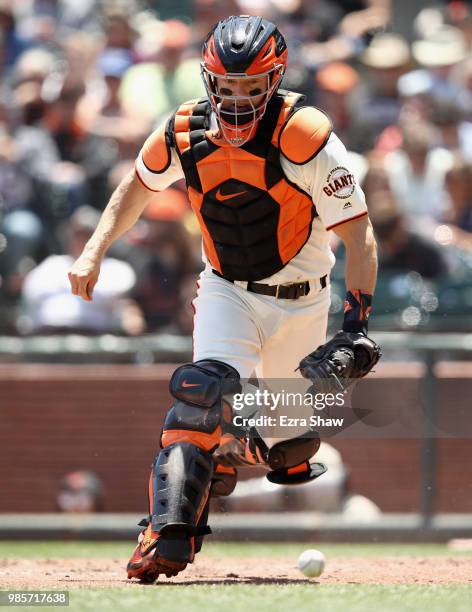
(253, 219)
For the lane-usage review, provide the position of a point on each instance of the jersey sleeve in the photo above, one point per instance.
(158, 165)
(331, 182)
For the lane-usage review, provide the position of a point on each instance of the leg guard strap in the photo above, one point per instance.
(224, 481)
(298, 474)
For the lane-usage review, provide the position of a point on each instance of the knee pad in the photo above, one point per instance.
(196, 414)
(204, 382)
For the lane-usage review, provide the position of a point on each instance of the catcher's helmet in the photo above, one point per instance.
(242, 47)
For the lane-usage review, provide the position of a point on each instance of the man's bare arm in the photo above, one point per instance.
(122, 211)
(361, 254)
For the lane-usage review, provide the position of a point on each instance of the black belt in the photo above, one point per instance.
(284, 292)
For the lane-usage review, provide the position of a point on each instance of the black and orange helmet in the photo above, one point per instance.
(242, 47)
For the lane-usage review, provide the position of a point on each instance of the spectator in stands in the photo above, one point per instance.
(376, 177)
(459, 188)
(439, 53)
(454, 133)
(12, 44)
(400, 249)
(165, 263)
(334, 30)
(80, 491)
(420, 104)
(119, 34)
(21, 229)
(208, 12)
(461, 75)
(49, 306)
(387, 58)
(335, 92)
(86, 158)
(79, 51)
(101, 112)
(415, 94)
(167, 76)
(416, 172)
(69, 15)
(27, 82)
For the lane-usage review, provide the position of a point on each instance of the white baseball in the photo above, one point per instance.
(311, 563)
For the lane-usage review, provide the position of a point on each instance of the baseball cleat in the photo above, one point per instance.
(146, 565)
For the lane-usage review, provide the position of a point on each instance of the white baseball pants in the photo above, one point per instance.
(257, 333)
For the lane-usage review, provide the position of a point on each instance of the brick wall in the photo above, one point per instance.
(54, 419)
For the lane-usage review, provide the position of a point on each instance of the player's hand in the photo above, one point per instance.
(231, 453)
(83, 276)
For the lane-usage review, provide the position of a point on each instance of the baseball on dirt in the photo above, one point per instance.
(311, 563)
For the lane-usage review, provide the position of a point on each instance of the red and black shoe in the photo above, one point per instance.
(145, 563)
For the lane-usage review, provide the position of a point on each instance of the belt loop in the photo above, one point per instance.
(242, 284)
(277, 292)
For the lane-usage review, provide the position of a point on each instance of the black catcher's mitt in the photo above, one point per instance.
(344, 357)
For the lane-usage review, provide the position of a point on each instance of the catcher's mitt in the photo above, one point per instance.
(346, 356)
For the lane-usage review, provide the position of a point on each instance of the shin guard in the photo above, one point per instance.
(181, 482)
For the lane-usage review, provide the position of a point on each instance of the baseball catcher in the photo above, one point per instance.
(268, 181)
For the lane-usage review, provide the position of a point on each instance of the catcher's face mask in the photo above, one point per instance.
(243, 62)
(240, 100)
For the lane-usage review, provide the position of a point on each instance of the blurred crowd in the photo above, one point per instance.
(82, 84)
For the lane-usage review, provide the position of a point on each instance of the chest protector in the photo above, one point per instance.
(253, 219)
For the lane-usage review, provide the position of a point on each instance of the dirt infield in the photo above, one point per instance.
(95, 572)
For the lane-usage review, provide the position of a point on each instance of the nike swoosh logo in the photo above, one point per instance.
(221, 197)
(186, 384)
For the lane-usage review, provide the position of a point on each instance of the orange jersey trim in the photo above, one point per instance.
(136, 171)
(363, 214)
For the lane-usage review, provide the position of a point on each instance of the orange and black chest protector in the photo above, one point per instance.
(253, 219)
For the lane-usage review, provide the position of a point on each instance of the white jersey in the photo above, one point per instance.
(327, 178)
